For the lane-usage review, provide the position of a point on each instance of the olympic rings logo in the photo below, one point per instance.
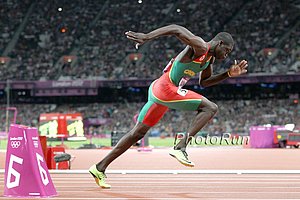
(15, 144)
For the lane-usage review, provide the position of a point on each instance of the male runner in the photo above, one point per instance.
(167, 91)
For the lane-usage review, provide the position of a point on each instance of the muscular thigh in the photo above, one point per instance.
(151, 113)
(170, 96)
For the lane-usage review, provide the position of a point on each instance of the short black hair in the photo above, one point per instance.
(225, 37)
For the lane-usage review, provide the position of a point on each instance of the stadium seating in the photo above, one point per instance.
(93, 34)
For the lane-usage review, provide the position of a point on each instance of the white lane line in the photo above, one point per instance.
(177, 171)
(173, 179)
(204, 187)
(222, 187)
(139, 198)
(176, 178)
(212, 192)
(150, 198)
(181, 171)
(136, 179)
(185, 182)
(113, 198)
(157, 186)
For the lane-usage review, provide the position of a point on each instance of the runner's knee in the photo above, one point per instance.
(211, 107)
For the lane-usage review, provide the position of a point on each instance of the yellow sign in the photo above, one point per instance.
(49, 129)
(76, 128)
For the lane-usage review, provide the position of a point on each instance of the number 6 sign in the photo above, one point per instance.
(26, 173)
(12, 172)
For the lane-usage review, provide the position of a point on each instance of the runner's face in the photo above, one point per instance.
(222, 51)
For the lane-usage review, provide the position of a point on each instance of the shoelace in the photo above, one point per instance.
(102, 176)
(185, 154)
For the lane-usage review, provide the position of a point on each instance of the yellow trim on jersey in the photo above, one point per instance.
(172, 101)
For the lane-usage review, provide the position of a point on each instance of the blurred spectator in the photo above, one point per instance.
(97, 40)
(234, 116)
(12, 9)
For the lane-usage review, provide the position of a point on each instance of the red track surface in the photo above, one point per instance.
(178, 186)
(183, 186)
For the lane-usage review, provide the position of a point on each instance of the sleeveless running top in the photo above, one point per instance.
(180, 73)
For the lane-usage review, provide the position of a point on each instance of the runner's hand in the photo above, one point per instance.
(139, 38)
(238, 68)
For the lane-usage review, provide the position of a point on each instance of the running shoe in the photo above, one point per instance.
(182, 157)
(99, 177)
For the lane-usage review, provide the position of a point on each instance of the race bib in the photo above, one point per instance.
(182, 92)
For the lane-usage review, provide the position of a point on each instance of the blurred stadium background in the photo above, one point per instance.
(67, 68)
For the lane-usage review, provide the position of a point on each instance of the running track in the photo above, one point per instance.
(178, 186)
(183, 185)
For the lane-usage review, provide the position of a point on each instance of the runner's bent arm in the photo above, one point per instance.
(206, 78)
(188, 38)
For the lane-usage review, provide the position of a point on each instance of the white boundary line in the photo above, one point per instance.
(147, 198)
(176, 171)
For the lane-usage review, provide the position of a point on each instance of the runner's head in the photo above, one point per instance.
(224, 45)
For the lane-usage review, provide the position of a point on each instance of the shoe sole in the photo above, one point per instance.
(183, 163)
(97, 181)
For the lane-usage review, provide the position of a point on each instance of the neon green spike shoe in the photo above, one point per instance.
(182, 157)
(99, 177)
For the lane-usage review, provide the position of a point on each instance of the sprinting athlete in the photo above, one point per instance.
(168, 92)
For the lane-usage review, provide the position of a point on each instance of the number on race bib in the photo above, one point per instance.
(182, 92)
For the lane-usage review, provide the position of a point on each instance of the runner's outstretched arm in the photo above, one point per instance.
(183, 34)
